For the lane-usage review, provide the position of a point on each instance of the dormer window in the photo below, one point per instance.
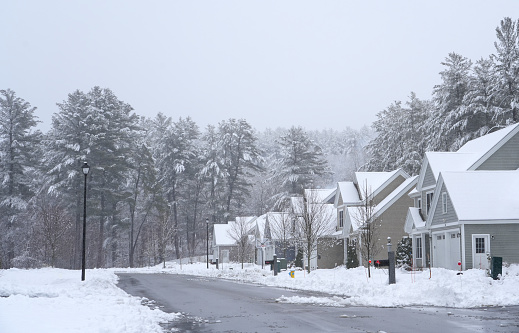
(341, 219)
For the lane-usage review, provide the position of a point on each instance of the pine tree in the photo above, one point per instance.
(448, 99)
(301, 161)
(18, 141)
(506, 59)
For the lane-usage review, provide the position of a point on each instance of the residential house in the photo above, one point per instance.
(327, 251)
(224, 243)
(389, 191)
(444, 234)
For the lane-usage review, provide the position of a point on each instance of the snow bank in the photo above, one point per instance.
(438, 287)
(55, 300)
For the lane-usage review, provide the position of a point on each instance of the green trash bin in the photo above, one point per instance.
(496, 267)
(282, 264)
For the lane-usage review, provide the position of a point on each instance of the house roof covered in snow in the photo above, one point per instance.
(376, 181)
(413, 220)
(222, 236)
(482, 195)
(450, 161)
(318, 195)
(348, 192)
(389, 200)
(486, 142)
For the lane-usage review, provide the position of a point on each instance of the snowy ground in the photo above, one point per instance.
(55, 300)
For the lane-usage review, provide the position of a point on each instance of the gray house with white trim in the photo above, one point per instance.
(459, 214)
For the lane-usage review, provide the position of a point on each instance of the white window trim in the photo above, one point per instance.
(487, 246)
(416, 248)
(428, 206)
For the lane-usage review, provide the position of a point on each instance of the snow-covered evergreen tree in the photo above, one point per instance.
(506, 84)
(18, 143)
(301, 161)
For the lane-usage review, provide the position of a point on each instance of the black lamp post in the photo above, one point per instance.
(85, 169)
(207, 240)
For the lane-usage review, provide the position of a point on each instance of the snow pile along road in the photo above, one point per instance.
(55, 300)
(438, 287)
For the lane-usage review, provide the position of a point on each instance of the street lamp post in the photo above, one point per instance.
(207, 241)
(85, 169)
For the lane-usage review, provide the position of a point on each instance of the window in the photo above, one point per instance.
(480, 245)
(444, 202)
(418, 254)
(428, 201)
(341, 219)
(418, 203)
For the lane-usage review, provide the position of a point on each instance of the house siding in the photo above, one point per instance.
(438, 216)
(330, 253)
(505, 158)
(393, 222)
(504, 244)
(428, 179)
(388, 189)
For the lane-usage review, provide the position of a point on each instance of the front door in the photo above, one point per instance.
(439, 250)
(454, 250)
(480, 251)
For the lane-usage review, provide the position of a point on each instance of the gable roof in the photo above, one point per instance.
(377, 181)
(319, 195)
(485, 143)
(413, 220)
(469, 157)
(221, 234)
(348, 192)
(481, 195)
(400, 191)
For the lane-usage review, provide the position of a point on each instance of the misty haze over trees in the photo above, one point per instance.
(154, 180)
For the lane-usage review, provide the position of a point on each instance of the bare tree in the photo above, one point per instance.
(314, 219)
(54, 224)
(281, 228)
(368, 226)
(239, 231)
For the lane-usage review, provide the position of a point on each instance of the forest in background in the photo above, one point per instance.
(154, 180)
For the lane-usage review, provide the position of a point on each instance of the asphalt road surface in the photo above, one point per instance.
(214, 305)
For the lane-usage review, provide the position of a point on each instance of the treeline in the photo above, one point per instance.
(473, 99)
(153, 181)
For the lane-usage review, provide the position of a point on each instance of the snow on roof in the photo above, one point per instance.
(414, 192)
(348, 192)
(221, 234)
(330, 213)
(318, 195)
(375, 180)
(261, 222)
(483, 195)
(486, 142)
(353, 215)
(401, 190)
(413, 220)
(276, 222)
(450, 161)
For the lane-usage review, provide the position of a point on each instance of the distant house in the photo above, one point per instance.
(224, 244)
(389, 191)
(328, 249)
(457, 211)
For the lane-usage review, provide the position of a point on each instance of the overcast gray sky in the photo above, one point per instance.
(318, 64)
